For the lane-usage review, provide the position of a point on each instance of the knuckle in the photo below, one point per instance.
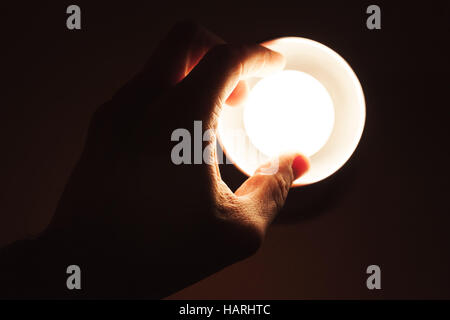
(226, 53)
(280, 190)
(237, 231)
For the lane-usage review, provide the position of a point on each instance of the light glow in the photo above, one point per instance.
(289, 111)
(275, 117)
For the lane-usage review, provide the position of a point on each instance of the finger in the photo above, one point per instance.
(218, 73)
(176, 55)
(242, 89)
(268, 43)
(180, 51)
(239, 94)
(214, 78)
(267, 189)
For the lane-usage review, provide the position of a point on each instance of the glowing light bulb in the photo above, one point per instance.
(289, 111)
(315, 106)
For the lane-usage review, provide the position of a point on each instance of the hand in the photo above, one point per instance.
(165, 226)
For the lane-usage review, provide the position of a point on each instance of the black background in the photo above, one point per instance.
(388, 206)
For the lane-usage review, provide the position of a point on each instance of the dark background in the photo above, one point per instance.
(388, 206)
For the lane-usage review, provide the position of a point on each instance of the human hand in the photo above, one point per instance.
(169, 225)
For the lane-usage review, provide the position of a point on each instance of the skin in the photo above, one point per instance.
(134, 233)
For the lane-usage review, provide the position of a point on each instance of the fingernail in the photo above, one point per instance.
(300, 165)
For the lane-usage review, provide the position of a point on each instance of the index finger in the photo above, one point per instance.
(218, 73)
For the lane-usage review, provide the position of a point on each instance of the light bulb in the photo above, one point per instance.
(315, 106)
(289, 111)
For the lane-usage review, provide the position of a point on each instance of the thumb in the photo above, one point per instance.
(266, 191)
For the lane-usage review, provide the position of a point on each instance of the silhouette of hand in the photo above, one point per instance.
(165, 226)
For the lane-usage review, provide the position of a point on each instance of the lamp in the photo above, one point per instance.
(315, 106)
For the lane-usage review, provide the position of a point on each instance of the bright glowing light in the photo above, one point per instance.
(289, 111)
(315, 106)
